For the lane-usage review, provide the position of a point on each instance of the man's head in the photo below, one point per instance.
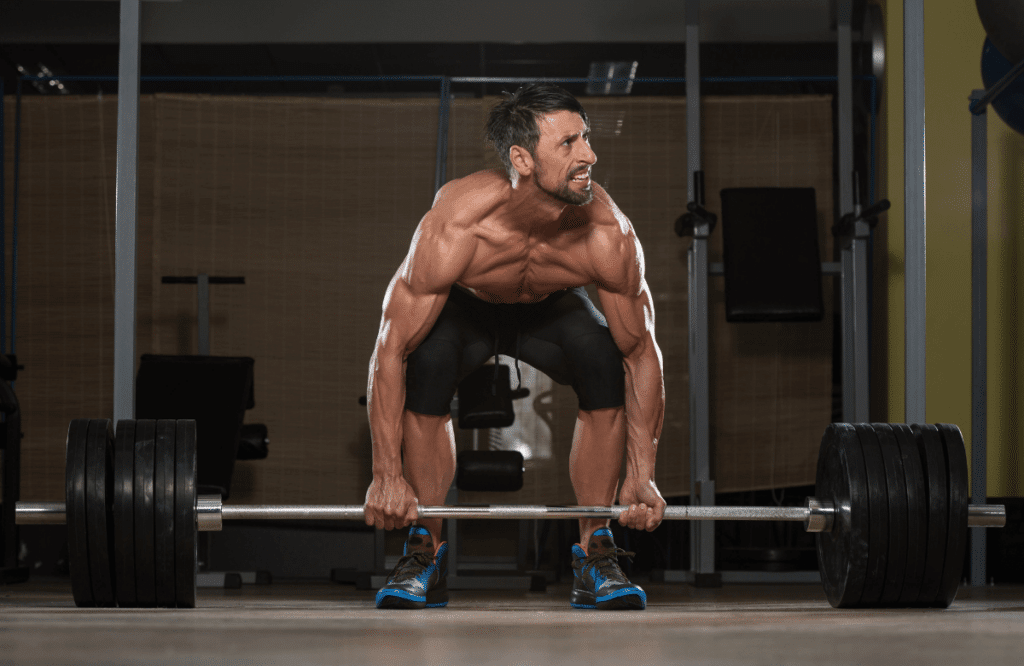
(516, 126)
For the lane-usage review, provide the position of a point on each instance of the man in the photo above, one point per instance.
(497, 266)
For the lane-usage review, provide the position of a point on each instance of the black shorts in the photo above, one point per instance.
(564, 336)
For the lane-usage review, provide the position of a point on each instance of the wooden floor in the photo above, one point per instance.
(288, 623)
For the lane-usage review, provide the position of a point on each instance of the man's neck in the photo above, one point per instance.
(532, 209)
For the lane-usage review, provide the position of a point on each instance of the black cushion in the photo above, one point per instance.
(213, 390)
(771, 256)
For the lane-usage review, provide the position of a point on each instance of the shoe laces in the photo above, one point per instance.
(411, 565)
(605, 562)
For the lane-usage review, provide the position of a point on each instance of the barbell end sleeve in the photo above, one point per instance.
(40, 513)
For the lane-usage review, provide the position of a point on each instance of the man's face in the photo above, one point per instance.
(563, 158)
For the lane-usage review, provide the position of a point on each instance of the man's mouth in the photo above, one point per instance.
(581, 176)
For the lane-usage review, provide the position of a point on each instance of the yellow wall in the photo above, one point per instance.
(953, 43)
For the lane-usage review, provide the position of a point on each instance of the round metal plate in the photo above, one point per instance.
(841, 479)
(933, 457)
(124, 513)
(75, 492)
(896, 560)
(163, 486)
(878, 516)
(185, 528)
(99, 476)
(917, 513)
(145, 556)
(959, 499)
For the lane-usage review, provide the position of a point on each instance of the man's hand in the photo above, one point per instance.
(646, 505)
(390, 503)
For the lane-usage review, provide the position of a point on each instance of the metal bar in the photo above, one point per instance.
(53, 513)
(915, 288)
(827, 268)
(203, 313)
(979, 330)
(702, 542)
(125, 211)
(443, 122)
(980, 102)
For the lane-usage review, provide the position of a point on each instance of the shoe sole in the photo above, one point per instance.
(404, 600)
(634, 599)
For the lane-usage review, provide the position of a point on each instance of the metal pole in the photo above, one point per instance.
(915, 290)
(702, 536)
(443, 120)
(125, 211)
(979, 330)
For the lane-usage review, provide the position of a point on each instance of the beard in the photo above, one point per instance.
(565, 194)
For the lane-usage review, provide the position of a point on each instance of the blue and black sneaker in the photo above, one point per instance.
(599, 582)
(419, 580)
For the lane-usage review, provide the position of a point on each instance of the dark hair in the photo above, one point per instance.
(513, 120)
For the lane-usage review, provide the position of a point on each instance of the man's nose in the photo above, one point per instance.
(587, 153)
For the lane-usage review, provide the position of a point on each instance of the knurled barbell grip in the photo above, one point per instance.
(816, 514)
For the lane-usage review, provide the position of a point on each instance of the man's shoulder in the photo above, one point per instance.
(465, 201)
(608, 222)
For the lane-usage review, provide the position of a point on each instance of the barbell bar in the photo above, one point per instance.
(817, 515)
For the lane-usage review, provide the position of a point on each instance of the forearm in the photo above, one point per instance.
(645, 409)
(385, 402)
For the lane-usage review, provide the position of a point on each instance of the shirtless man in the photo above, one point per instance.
(497, 266)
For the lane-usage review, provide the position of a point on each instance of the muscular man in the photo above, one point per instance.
(497, 266)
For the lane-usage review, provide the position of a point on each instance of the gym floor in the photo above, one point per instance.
(325, 623)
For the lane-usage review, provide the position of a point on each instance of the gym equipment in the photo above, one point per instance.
(10, 473)
(1004, 23)
(490, 471)
(1005, 87)
(891, 513)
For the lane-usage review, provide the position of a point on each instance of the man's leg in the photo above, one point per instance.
(428, 460)
(598, 445)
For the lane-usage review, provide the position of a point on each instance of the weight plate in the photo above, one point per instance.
(841, 479)
(878, 516)
(959, 499)
(185, 529)
(895, 482)
(99, 476)
(933, 457)
(74, 490)
(917, 513)
(124, 513)
(145, 556)
(163, 487)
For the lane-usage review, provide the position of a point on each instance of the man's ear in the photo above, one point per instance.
(522, 160)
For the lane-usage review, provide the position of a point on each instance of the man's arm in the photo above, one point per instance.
(629, 309)
(413, 301)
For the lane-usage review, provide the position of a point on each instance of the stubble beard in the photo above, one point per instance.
(565, 194)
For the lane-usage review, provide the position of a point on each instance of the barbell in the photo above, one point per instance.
(890, 514)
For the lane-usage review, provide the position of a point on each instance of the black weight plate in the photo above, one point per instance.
(74, 490)
(917, 513)
(929, 442)
(878, 516)
(124, 513)
(843, 551)
(185, 536)
(99, 477)
(959, 499)
(163, 502)
(896, 561)
(145, 556)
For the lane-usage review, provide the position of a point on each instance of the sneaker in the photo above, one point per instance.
(599, 582)
(419, 580)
